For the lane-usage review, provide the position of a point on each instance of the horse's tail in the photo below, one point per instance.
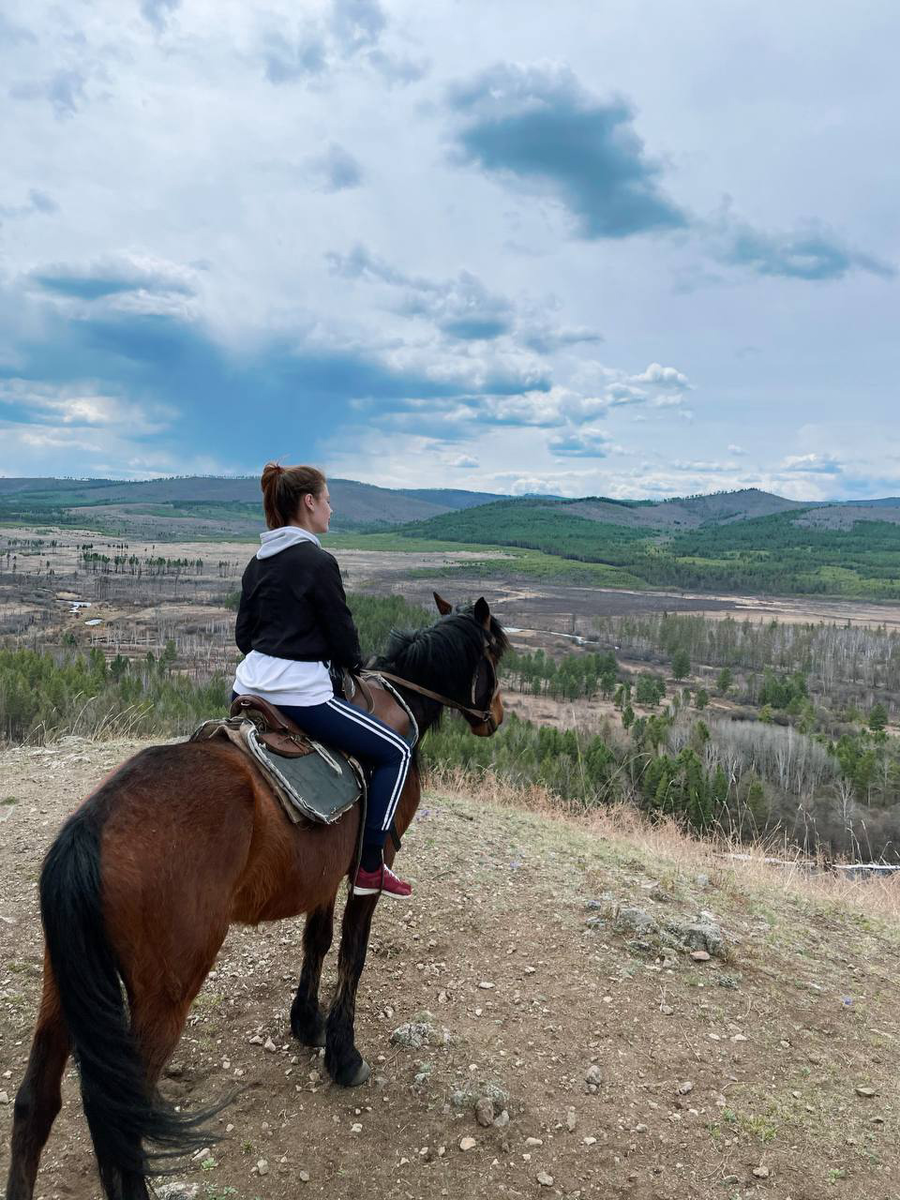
(122, 1111)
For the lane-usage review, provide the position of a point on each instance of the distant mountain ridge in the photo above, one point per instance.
(214, 505)
(225, 505)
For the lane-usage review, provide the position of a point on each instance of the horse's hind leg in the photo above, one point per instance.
(160, 999)
(307, 1019)
(39, 1098)
(343, 1061)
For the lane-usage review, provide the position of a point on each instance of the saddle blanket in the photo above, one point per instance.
(313, 781)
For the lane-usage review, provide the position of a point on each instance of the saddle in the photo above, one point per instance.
(310, 780)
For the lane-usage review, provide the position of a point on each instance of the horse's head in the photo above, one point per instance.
(485, 691)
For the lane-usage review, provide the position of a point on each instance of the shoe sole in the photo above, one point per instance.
(361, 891)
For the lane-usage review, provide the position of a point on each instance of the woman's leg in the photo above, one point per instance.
(376, 745)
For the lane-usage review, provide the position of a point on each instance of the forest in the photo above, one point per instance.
(772, 554)
(739, 728)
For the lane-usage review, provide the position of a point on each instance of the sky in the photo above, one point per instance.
(634, 249)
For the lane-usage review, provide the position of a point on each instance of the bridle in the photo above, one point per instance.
(481, 716)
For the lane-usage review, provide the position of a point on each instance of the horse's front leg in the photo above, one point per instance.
(343, 1061)
(307, 1018)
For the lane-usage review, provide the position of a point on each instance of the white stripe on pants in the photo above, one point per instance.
(351, 713)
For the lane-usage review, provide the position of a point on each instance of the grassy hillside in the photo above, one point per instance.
(739, 541)
(776, 554)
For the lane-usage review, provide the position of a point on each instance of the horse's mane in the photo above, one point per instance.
(443, 655)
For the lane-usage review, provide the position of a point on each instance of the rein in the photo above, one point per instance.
(483, 716)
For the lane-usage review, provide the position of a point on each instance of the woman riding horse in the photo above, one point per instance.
(292, 621)
(142, 882)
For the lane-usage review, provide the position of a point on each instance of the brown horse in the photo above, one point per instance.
(141, 884)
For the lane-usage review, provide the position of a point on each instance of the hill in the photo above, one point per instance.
(749, 540)
(626, 1067)
(688, 513)
(719, 543)
(208, 506)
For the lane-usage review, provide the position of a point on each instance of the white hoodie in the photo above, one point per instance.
(276, 540)
(283, 680)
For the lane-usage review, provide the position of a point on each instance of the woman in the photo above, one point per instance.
(292, 621)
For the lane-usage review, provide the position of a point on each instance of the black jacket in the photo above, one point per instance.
(293, 606)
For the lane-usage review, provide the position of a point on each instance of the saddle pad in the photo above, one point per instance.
(320, 786)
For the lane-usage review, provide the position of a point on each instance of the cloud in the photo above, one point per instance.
(710, 467)
(81, 357)
(663, 377)
(65, 90)
(586, 443)
(539, 410)
(67, 406)
(336, 170)
(12, 34)
(619, 393)
(538, 127)
(603, 389)
(737, 451)
(41, 202)
(463, 461)
(461, 308)
(812, 464)
(559, 483)
(395, 68)
(287, 61)
(811, 252)
(38, 202)
(544, 338)
(157, 12)
(357, 24)
(347, 32)
(464, 308)
(115, 275)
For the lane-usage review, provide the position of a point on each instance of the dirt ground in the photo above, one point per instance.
(735, 1077)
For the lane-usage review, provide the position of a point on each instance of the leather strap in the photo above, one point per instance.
(366, 692)
(484, 716)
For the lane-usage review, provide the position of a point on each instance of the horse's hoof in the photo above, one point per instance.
(362, 1074)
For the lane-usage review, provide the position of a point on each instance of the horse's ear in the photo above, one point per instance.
(482, 613)
(442, 606)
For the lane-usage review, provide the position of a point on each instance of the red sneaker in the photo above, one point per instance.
(382, 881)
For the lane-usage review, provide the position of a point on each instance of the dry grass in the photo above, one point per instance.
(666, 847)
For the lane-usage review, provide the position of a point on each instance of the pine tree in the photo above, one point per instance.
(878, 718)
(681, 664)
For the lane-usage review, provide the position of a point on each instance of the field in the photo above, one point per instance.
(539, 944)
(155, 590)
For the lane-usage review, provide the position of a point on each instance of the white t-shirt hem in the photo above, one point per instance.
(283, 680)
